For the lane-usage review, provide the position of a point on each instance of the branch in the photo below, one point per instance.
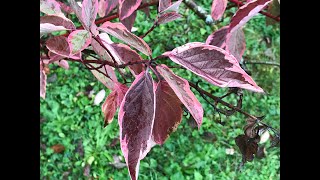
(151, 29)
(199, 11)
(261, 12)
(264, 63)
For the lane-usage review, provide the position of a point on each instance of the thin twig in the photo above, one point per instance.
(151, 29)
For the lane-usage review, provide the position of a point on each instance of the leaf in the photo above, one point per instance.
(128, 55)
(119, 31)
(163, 4)
(50, 7)
(99, 97)
(63, 63)
(58, 21)
(121, 91)
(60, 46)
(213, 64)
(236, 43)
(182, 89)
(109, 107)
(79, 40)
(246, 12)
(111, 5)
(89, 12)
(217, 9)
(58, 148)
(43, 83)
(129, 21)
(136, 117)
(218, 38)
(127, 7)
(102, 7)
(49, 28)
(168, 112)
(97, 48)
(274, 9)
(248, 147)
(107, 81)
(168, 17)
(173, 8)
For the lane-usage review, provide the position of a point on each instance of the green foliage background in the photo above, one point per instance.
(71, 118)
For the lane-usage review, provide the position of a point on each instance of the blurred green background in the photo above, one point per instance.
(69, 117)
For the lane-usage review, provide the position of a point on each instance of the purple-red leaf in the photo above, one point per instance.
(217, 9)
(129, 21)
(49, 28)
(102, 7)
(213, 64)
(121, 32)
(168, 112)
(173, 8)
(218, 38)
(79, 40)
(59, 45)
(136, 117)
(121, 91)
(107, 81)
(109, 107)
(97, 48)
(163, 4)
(89, 12)
(246, 12)
(128, 55)
(182, 89)
(43, 83)
(58, 21)
(127, 7)
(50, 7)
(167, 17)
(236, 43)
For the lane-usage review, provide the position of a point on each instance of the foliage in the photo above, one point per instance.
(94, 153)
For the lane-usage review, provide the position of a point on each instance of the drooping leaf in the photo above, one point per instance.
(173, 7)
(218, 38)
(43, 83)
(129, 55)
(109, 107)
(136, 117)
(107, 81)
(79, 40)
(163, 4)
(213, 64)
(182, 89)
(97, 48)
(246, 12)
(236, 43)
(217, 9)
(168, 17)
(50, 7)
(129, 21)
(248, 147)
(58, 21)
(119, 31)
(127, 7)
(168, 112)
(89, 12)
(59, 45)
(273, 9)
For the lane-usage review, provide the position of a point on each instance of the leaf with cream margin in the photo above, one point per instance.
(79, 40)
(217, 9)
(49, 28)
(129, 21)
(50, 7)
(89, 12)
(218, 38)
(182, 89)
(59, 45)
(236, 43)
(246, 12)
(106, 6)
(163, 4)
(58, 21)
(135, 118)
(119, 31)
(127, 7)
(168, 17)
(168, 112)
(107, 81)
(129, 55)
(213, 64)
(173, 7)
